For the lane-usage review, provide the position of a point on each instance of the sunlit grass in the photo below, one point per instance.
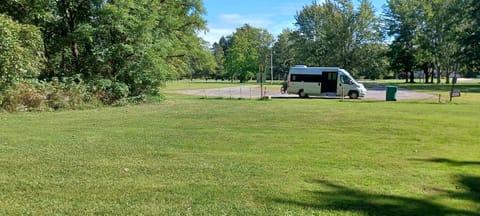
(190, 156)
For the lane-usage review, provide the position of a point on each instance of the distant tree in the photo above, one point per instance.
(369, 53)
(249, 49)
(470, 37)
(283, 53)
(219, 56)
(425, 36)
(403, 25)
(225, 43)
(202, 62)
(333, 33)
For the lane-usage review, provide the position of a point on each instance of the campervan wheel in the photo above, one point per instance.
(353, 95)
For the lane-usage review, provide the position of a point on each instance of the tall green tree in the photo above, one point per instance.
(202, 62)
(249, 49)
(403, 25)
(333, 33)
(283, 53)
(470, 38)
(219, 56)
(426, 35)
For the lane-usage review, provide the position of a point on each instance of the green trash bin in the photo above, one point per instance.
(392, 93)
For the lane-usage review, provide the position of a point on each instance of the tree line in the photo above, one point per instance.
(96, 50)
(436, 37)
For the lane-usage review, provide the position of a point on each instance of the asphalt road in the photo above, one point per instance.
(253, 92)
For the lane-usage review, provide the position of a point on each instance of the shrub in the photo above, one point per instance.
(25, 96)
(66, 93)
(21, 51)
(29, 95)
(109, 92)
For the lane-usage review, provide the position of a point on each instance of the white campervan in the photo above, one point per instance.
(323, 81)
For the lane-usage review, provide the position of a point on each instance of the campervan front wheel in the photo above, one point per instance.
(353, 95)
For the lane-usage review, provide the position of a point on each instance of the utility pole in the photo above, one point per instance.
(271, 65)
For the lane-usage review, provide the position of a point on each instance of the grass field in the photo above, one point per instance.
(190, 156)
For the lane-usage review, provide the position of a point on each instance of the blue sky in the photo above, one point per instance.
(224, 16)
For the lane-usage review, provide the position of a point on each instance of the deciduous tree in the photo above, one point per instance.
(249, 49)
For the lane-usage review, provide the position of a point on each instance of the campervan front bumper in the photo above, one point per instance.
(363, 91)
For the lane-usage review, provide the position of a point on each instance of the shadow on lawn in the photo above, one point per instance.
(449, 161)
(342, 198)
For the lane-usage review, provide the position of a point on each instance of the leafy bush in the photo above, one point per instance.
(25, 96)
(21, 51)
(109, 92)
(69, 93)
(30, 95)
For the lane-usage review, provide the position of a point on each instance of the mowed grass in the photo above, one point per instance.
(189, 156)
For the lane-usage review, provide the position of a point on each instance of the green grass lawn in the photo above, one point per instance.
(190, 156)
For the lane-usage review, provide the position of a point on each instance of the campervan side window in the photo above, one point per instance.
(305, 78)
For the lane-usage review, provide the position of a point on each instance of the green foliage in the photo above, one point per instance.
(426, 36)
(109, 92)
(333, 33)
(134, 44)
(34, 95)
(219, 56)
(202, 62)
(470, 37)
(284, 53)
(248, 50)
(21, 51)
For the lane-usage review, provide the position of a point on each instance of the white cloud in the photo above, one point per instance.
(257, 20)
(226, 24)
(214, 34)
(274, 19)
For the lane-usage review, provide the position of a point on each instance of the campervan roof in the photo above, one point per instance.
(302, 69)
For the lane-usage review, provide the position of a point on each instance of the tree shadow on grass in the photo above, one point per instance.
(449, 161)
(343, 198)
(471, 184)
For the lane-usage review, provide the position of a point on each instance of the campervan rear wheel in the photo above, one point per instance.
(353, 95)
(302, 94)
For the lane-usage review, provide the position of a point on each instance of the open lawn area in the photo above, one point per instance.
(191, 156)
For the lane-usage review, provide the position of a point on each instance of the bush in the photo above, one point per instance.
(109, 92)
(21, 51)
(34, 95)
(66, 93)
(25, 96)
(70, 93)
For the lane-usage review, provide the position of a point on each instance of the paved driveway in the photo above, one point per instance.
(253, 92)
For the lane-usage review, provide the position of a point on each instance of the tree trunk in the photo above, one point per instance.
(425, 72)
(412, 77)
(432, 75)
(439, 74)
(447, 77)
